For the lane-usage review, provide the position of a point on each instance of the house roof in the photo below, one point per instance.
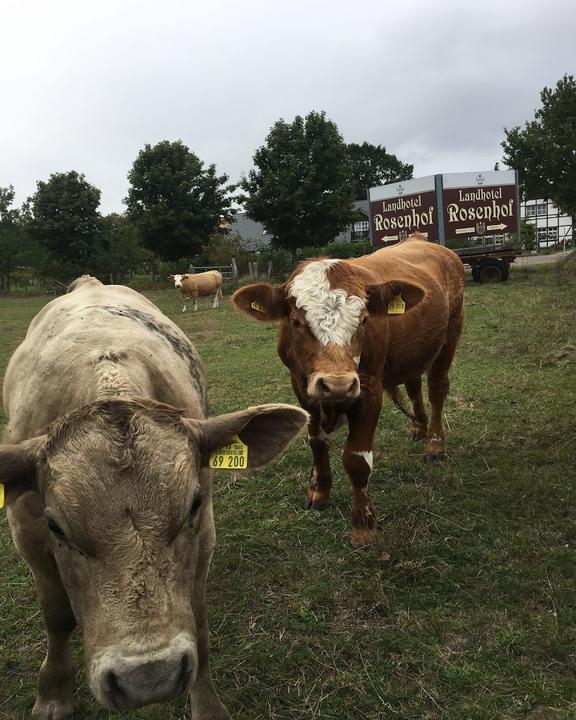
(253, 233)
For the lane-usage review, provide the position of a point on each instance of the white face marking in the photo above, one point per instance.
(367, 455)
(332, 315)
(178, 281)
(357, 359)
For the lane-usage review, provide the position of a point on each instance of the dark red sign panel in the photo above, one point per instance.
(479, 211)
(395, 218)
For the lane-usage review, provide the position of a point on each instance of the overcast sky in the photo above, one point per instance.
(86, 84)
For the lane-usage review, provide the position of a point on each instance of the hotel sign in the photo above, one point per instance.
(478, 204)
(399, 209)
(445, 207)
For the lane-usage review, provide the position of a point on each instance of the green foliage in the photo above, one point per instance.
(65, 221)
(10, 237)
(175, 202)
(544, 151)
(373, 166)
(528, 236)
(301, 189)
(122, 251)
(220, 249)
(17, 247)
(466, 609)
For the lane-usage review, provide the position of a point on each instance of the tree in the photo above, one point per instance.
(175, 202)
(373, 166)
(122, 251)
(544, 151)
(528, 236)
(10, 237)
(301, 189)
(66, 221)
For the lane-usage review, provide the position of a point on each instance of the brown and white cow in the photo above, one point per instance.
(109, 495)
(353, 329)
(195, 285)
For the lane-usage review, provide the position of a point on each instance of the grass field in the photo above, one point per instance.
(467, 608)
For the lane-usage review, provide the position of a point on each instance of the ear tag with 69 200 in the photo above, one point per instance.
(233, 456)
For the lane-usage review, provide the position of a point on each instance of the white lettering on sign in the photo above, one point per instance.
(402, 204)
(413, 220)
(494, 211)
(480, 194)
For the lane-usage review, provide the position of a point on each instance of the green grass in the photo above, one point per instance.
(465, 611)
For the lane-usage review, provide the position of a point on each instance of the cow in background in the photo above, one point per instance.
(109, 495)
(195, 285)
(351, 330)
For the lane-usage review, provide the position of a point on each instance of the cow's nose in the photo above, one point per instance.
(345, 386)
(126, 681)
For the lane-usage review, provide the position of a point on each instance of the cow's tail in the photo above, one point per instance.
(399, 402)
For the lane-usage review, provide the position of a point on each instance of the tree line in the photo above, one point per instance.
(178, 209)
(302, 189)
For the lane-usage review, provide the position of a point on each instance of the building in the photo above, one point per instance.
(252, 233)
(552, 228)
(360, 228)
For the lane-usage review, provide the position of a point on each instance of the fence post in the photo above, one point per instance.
(234, 272)
(269, 271)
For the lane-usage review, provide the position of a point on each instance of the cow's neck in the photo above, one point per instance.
(113, 380)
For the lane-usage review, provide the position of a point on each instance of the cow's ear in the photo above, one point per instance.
(265, 430)
(262, 301)
(19, 463)
(393, 298)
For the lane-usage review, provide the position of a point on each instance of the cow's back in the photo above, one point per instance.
(420, 262)
(97, 341)
(206, 282)
(414, 339)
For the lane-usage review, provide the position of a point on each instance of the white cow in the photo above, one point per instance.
(109, 495)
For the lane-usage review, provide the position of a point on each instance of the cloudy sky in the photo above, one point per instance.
(86, 84)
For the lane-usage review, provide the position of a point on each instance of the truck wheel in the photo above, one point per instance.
(491, 270)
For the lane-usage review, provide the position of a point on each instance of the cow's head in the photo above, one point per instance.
(177, 280)
(327, 308)
(128, 513)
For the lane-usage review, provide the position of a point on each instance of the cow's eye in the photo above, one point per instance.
(56, 530)
(296, 323)
(364, 319)
(196, 504)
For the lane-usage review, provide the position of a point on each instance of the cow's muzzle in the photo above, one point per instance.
(122, 679)
(324, 386)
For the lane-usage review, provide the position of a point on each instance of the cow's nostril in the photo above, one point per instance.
(185, 672)
(114, 687)
(323, 385)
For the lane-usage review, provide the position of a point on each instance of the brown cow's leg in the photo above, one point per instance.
(357, 459)
(205, 703)
(419, 426)
(320, 474)
(438, 387)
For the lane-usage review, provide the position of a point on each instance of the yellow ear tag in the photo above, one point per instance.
(1, 495)
(233, 456)
(397, 306)
(258, 307)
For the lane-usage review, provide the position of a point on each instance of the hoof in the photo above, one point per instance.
(417, 436)
(434, 457)
(52, 710)
(365, 536)
(316, 504)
